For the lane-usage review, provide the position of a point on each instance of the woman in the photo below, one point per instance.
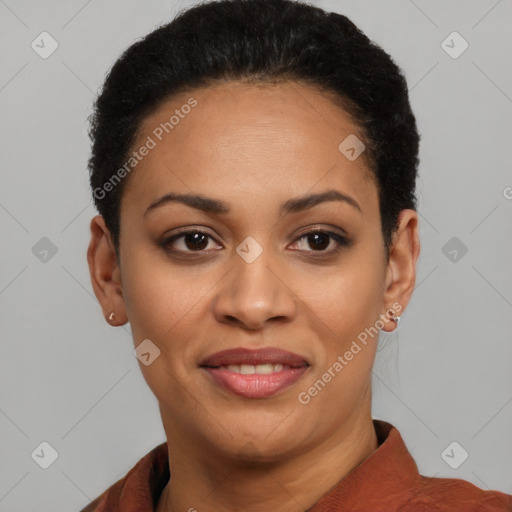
(254, 164)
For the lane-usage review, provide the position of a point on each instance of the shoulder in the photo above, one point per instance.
(140, 486)
(449, 494)
(112, 493)
(389, 481)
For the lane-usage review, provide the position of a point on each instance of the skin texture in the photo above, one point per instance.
(254, 147)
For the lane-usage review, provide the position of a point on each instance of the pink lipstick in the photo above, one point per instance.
(255, 373)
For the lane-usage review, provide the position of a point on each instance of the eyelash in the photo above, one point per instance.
(340, 240)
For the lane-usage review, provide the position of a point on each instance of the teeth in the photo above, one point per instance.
(249, 369)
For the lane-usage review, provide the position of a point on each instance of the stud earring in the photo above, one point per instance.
(111, 316)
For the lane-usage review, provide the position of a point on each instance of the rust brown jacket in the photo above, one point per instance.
(386, 481)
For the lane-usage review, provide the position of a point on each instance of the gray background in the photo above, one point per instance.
(68, 378)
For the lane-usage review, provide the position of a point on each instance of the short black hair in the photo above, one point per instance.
(261, 41)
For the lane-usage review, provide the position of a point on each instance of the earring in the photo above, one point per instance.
(396, 319)
(111, 316)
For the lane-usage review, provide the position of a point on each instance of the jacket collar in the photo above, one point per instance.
(388, 473)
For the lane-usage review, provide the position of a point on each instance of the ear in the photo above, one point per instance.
(105, 272)
(401, 269)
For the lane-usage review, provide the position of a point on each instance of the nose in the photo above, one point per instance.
(252, 294)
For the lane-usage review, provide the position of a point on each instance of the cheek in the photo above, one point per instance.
(349, 306)
(163, 304)
(346, 298)
(162, 301)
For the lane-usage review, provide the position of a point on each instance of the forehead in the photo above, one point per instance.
(237, 137)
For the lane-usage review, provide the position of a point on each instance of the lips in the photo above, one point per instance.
(255, 373)
(241, 356)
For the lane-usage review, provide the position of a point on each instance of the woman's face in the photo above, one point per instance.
(248, 276)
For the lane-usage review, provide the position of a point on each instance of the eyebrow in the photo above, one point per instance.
(215, 206)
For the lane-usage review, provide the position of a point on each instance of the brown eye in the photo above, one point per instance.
(319, 240)
(196, 241)
(193, 241)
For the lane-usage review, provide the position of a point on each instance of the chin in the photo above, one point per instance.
(258, 445)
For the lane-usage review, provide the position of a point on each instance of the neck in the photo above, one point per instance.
(213, 483)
